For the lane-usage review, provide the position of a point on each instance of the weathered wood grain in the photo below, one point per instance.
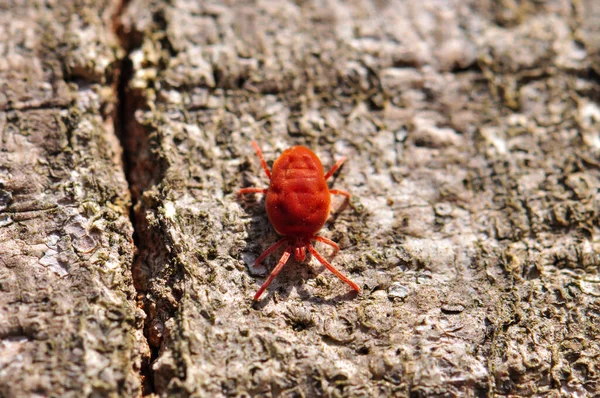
(69, 326)
(472, 133)
(472, 129)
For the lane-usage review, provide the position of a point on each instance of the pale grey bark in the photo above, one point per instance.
(472, 133)
(69, 326)
(472, 129)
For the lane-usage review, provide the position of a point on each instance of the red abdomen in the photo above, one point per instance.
(298, 198)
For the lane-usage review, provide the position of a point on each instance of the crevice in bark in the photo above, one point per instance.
(124, 120)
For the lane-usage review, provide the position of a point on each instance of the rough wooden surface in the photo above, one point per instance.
(472, 129)
(472, 133)
(69, 326)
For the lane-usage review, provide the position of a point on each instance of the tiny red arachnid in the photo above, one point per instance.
(298, 203)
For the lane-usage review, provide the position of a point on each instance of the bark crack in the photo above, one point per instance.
(124, 118)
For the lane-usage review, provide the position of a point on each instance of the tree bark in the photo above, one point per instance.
(69, 326)
(471, 129)
(472, 133)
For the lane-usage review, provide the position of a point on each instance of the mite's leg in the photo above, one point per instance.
(329, 242)
(276, 270)
(340, 192)
(270, 250)
(263, 163)
(332, 268)
(252, 190)
(335, 167)
(262, 159)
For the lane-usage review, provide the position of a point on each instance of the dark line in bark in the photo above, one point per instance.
(124, 117)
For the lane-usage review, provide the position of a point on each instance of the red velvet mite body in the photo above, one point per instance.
(298, 203)
(298, 198)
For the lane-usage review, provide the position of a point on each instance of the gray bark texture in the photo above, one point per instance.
(472, 132)
(69, 326)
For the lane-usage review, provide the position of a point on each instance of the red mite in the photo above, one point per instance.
(298, 204)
